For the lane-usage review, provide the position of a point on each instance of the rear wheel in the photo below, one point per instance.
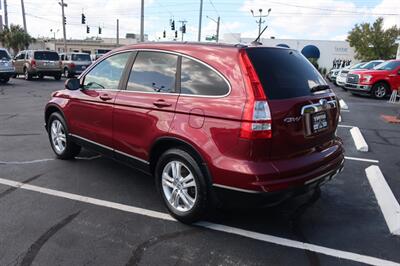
(380, 90)
(60, 141)
(66, 73)
(57, 76)
(40, 76)
(4, 80)
(27, 76)
(182, 186)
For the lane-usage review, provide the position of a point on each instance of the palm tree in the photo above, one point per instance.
(16, 38)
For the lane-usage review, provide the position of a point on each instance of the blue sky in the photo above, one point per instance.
(303, 19)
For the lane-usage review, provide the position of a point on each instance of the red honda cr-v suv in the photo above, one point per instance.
(203, 118)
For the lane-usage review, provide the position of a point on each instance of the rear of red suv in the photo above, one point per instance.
(201, 118)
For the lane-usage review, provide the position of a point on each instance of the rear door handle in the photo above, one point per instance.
(161, 103)
(105, 97)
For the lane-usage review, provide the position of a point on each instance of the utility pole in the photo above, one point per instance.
(117, 31)
(260, 21)
(218, 22)
(63, 21)
(200, 17)
(142, 21)
(5, 14)
(23, 15)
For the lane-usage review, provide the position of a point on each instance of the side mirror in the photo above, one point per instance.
(72, 84)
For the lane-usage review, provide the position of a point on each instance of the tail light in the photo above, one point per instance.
(71, 65)
(33, 63)
(256, 121)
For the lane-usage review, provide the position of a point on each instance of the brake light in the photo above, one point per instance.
(33, 63)
(71, 65)
(256, 121)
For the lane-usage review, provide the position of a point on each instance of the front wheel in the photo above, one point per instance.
(182, 185)
(57, 77)
(380, 90)
(60, 141)
(4, 80)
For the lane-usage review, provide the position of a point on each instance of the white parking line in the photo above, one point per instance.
(218, 227)
(359, 140)
(361, 159)
(343, 104)
(345, 110)
(26, 162)
(387, 202)
(346, 126)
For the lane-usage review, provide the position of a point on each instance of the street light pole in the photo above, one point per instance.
(218, 22)
(200, 18)
(142, 21)
(260, 20)
(5, 14)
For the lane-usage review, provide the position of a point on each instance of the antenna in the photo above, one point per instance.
(258, 37)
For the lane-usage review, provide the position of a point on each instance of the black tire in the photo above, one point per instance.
(4, 80)
(40, 76)
(71, 149)
(15, 76)
(57, 77)
(380, 90)
(66, 73)
(202, 201)
(27, 76)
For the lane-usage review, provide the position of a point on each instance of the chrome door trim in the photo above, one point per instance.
(109, 148)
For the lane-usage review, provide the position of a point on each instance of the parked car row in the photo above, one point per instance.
(41, 63)
(376, 78)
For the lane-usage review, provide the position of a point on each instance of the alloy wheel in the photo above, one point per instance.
(179, 186)
(380, 91)
(58, 136)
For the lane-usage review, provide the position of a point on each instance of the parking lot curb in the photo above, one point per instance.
(359, 140)
(387, 202)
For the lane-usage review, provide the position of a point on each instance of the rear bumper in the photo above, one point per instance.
(233, 198)
(7, 74)
(278, 176)
(45, 72)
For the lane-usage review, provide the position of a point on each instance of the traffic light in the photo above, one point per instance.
(183, 28)
(83, 19)
(176, 34)
(87, 29)
(65, 20)
(164, 34)
(99, 30)
(173, 25)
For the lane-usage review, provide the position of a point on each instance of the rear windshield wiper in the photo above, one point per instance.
(319, 88)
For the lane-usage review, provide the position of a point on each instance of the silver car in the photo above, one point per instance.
(74, 63)
(7, 69)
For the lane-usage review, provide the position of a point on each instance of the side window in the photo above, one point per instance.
(106, 74)
(153, 72)
(198, 79)
(62, 57)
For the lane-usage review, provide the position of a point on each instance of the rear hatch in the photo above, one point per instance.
(81, 61)
(47, 60)
(304, 112)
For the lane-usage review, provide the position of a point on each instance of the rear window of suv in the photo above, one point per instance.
(80, 57)
(4, 55)
(284, 73)
(50, 56)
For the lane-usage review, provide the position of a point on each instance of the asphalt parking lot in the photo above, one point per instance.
(95, 211)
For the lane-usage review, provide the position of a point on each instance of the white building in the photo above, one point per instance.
(328, 50)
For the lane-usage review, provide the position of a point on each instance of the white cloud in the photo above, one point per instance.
(389, 7)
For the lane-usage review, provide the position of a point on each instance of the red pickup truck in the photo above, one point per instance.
(378, 82)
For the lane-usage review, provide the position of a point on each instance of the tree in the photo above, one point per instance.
(373, 42)
(15, 38)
